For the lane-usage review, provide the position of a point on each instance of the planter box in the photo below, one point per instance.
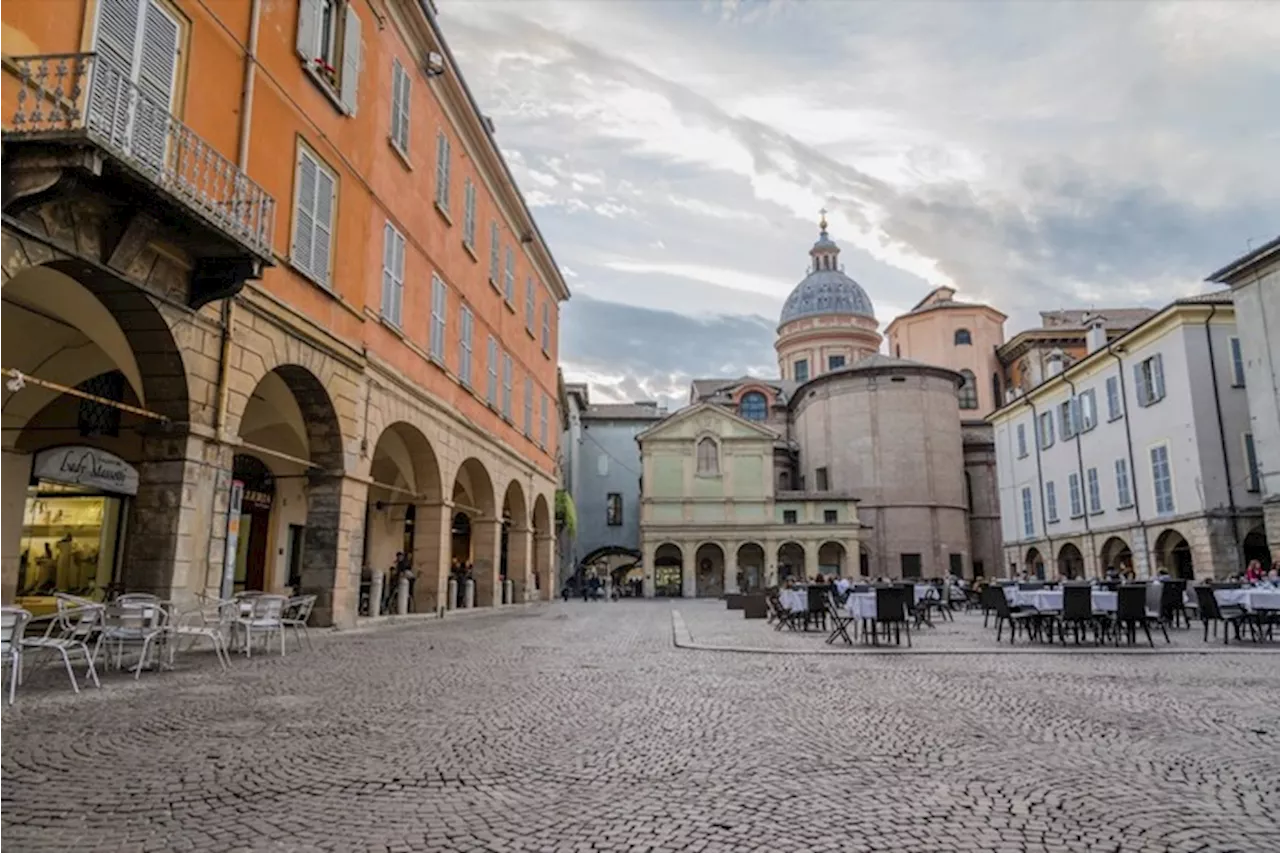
(754, 606)
(733, 601)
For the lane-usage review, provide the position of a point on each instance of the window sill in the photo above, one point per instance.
(1114, 418)
(493, 282)
(392, 327)
(545, 353)
(1237, 384)
(400, 153)
(311, 278)
(530, 333)
(511, 306)
(1125, 506)
(1097, 511)
(326, 88)
(470, 250)
(443, 211)
(1054, 520)
(1075, 517)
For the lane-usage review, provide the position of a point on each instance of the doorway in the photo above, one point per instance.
(255, 522)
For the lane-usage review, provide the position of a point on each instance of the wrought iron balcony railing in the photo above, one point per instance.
(83, 95)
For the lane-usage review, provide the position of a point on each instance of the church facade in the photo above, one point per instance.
(852, 462)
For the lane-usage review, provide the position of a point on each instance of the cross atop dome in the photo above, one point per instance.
(824, 252)
(822, 223)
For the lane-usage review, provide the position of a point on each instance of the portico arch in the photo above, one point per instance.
(1115, 554)
(1033, 565)
(477, 535)
(709, 563)
(544, 543)
(668, 571)
(791, 562)
(751, 573)
(1070, 562)
(516, 561)
(831, 558)
(1173, 553)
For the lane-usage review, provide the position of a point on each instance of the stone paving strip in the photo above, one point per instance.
(581, 727)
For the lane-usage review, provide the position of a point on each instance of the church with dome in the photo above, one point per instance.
(850, 462)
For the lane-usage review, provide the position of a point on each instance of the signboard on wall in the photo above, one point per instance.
(86, 466)
(234, 507)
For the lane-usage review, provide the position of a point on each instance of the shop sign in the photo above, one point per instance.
(86, 466)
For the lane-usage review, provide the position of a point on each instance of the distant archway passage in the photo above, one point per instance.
(751, 575)
(1070, 562)
(710, 578)
(1173, 554)
(790, 562)
(668, 571)
(1033, 565)
(1115, 555)
(1256, 547)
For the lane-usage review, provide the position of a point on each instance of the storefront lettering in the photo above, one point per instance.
(87, 466)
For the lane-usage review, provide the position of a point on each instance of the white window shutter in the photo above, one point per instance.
(309, 12)
(1157, 376)
(304, 214)
(351, 60)
(323, 225)
(388, 263)
(1140, 385)
(399, 278)
(405, 82)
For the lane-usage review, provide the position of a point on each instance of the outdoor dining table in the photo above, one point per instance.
(1051, 599)
(1251, 600)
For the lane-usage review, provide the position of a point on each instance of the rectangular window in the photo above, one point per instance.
(1162, 479)
(542, 421)
(314, 207)
(1088, 411)
(329, 44)
(400, 107)
(495, 255)
(1095, 490)
(613, 509)
(1148, 378)
(1051, 502)
(392, 274)
(546, 326)
(466, 329)
(438, 307)
(1114, 409)
(1077, 500)
(1251, 462)
(469, 214)
(1067, 418)
(957, 565)
(835, 362)
(1022, 441)
(509, 278)
(530, 304)
(443, 163)
(788, 516)
(1028, 514)
(506, 385)
(1237, 364)
(911, 565)
(528, 407)
(820, 479)
(802, 370)
(1045, 430)
(491, 392)
(830, 516)
(1124, 491)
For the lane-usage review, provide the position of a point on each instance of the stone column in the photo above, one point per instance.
(648, 587)
(334, 546)
(811, 559)
(544, 560)
(15, 474)
(486, 544)
(689, 569)
(769, 571)
(171, 530)
(431, 544)
(519, 561)
(731, 568)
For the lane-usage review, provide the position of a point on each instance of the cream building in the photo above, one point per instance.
(711, 518)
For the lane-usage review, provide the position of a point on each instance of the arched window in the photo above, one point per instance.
(753, 406)
(708, 457)
(969, 390)
(963, 338)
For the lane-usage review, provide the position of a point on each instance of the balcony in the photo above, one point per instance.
(78, 113)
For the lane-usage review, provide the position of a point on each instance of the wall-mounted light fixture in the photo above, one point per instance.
(435, 65)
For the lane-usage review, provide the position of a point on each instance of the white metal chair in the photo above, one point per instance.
(13, 623)
(137, 619)
(70, 630)
(212, 623)
(261, 614)
(296, 613)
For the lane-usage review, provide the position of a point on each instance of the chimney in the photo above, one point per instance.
(1096, 336)
(1054, 362)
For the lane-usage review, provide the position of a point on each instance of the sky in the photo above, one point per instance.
(1034, 155)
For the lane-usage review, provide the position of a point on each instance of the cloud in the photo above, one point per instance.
(1033, 155)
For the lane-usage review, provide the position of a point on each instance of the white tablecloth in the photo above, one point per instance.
(1051, 599)
(794, 600)
(1249, 599)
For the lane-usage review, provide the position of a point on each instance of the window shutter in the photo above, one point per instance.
(323, 225)
(388, 264)
(115, 40)
(398, 278)
(406, 83)
(395, 100)
(1157, 377)
(159, 58)
(350, 59)
(1140, 387)
(304, 214)
(309, 13)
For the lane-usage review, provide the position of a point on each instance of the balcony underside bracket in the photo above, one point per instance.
(220, 278)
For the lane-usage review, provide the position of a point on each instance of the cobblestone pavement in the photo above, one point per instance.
(579, 727)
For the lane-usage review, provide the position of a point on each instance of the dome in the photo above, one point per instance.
(826, 292)
(826, 289)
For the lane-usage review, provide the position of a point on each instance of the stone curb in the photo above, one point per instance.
(370, 624)
(683, 639)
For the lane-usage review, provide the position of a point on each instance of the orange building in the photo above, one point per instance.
(274, 310)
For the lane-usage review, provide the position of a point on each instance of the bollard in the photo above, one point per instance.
(375, 594)
(608, 589)
(470, 600)
(508, 591)
(402, 597)
(452, 601)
